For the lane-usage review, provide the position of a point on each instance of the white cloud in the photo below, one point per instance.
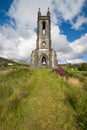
(68, 9)
(67, 51)
(14, 46)
(80, 45)
(59, 41)
(79, 22)
(18, 43)
(25, 11)
(74, 61)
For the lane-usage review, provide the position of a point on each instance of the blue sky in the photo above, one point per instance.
(4, 7)
(18, 22)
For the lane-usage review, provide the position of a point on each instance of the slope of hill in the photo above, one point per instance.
(6, 62)
(39, 99)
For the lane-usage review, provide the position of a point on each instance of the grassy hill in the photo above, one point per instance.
(5, 63)
(39, 99)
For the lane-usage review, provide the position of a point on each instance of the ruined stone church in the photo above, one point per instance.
(43, 55)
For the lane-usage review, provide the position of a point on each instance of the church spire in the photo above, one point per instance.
(48, 12)
(39, 13)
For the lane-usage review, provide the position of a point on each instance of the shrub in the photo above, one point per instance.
(61, 72)
(83, 67)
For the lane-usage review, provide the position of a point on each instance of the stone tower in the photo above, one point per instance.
(43, 55)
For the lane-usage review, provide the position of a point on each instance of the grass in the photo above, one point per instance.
(38, 99)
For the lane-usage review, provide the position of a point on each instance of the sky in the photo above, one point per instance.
(18, 25)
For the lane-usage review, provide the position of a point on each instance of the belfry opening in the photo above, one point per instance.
(43, 27)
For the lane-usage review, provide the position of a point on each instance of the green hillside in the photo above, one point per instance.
(4, 60)
(5, 63)
(39, 99)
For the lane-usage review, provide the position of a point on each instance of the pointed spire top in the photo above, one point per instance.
(48, 12)
(39, 13)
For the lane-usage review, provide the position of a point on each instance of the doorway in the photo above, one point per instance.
(44, 62)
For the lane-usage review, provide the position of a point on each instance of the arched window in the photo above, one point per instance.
(43, 60)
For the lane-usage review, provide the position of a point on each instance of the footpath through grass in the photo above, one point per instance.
(40, 100)
(47, 109)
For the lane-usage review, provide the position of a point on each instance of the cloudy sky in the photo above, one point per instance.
(18, 24)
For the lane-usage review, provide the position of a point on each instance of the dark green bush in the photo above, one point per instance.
(83, 67)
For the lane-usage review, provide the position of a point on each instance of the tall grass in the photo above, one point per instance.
(12, 91)
(76, 96)
(41, 100)
(77, 99)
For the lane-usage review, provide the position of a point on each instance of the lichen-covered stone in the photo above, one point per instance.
(43, 55)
